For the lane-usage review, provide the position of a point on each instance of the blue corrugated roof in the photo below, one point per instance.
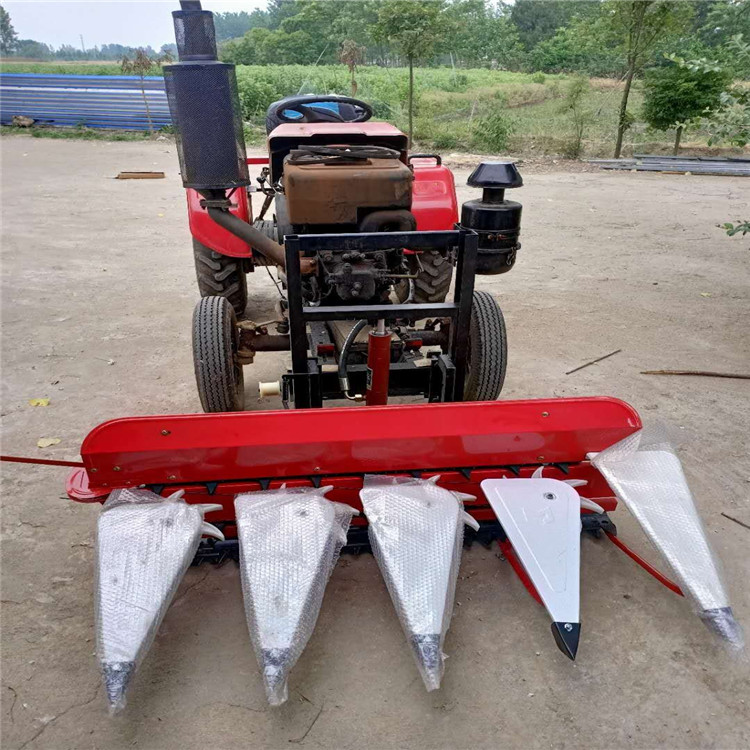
(114, 102)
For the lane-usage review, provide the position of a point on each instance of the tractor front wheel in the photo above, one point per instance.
(218, 372)
(488, 350)
(220, 275)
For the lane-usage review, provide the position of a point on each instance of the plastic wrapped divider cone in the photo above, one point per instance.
(144, 545)
(290, 540)
(416, 533)
(646, 474)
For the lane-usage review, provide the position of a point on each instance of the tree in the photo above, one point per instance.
(537, 20)
(141, 64)
(640, 26)
(414, 28)
(586, 45)
(575, 107)
(352, 55)
(8, 36)
(33, 49)
(231, 25)
(677, 93)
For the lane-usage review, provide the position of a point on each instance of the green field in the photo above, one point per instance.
(476, 110)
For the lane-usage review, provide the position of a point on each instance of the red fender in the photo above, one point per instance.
(434, 202)
(210, 234)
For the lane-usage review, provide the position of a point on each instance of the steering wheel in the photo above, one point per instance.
(304, 106)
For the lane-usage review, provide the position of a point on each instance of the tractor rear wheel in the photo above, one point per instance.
(220, 275)
(488, 350)
(434, 272)
(218, 372)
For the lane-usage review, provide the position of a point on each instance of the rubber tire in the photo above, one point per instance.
(433, 277)
(220, 275)
(488, 350)
(221, 385)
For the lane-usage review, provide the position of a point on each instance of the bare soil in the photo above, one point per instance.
(98, 292)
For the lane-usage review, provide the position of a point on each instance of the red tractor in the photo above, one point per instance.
(363, 236)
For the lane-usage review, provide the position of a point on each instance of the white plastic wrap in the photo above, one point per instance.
(416, 532)
(144, 545)
(646, 474)
(290, 540)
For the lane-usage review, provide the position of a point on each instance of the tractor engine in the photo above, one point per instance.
(338, 189)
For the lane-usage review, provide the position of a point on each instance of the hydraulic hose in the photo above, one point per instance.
(344, 354)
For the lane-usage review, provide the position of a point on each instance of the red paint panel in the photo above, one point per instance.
(249, 445)
(206, 231)
(310, 129)
(434, 201)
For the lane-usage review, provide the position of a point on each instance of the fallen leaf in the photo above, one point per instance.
(705, 294)
(46, 442)
(38, 402)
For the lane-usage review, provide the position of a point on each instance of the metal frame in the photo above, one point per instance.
(448, 373)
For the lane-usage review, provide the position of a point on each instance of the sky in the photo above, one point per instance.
(129, 22)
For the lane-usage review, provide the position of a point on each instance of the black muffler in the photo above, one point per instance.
(205, 106)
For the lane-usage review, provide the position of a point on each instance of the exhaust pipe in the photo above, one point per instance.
(205, 108)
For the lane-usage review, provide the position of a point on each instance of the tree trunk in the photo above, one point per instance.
(622, 119)
(677, 138)
(148, 111)
(411, 99)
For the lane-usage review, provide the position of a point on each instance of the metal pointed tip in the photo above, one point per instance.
(276, 663)
(538, 473)
(566, 636)
(117, 676)
(721, 621)
(429, 657)
(434, 479)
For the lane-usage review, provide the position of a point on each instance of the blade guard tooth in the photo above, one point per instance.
(591, 505)
(208, 529)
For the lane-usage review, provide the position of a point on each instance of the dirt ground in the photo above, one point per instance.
(98, 292)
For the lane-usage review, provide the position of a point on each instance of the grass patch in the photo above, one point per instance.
(79, 133)
(480, 110)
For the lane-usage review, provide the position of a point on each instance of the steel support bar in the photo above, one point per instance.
(377, 312)
(309, 243)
